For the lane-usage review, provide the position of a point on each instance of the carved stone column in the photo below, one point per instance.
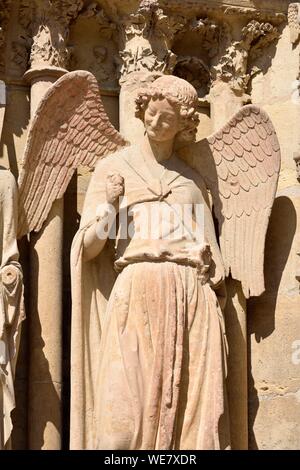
(231, 73)
(48, 61)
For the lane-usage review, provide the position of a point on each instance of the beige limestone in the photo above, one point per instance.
(46, 250)
(273, 322)
(274, 330)
(92, 422)
(94, 44)
(45, 336)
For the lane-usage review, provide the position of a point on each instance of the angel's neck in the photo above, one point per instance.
(158, 151)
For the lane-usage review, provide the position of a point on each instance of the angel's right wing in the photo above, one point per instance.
(70, 128)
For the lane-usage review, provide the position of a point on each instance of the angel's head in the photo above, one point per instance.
(168, 109)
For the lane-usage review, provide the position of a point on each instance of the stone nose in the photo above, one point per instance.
(155, 122)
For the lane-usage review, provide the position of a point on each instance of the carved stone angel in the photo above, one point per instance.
(11, 301)
(148, 363)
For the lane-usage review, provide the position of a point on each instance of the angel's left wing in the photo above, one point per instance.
(240, 165)
(70, 128)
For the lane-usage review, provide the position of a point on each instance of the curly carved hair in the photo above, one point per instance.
(181, 94)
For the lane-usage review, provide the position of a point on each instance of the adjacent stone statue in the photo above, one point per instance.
(148, 364)
(11, 301)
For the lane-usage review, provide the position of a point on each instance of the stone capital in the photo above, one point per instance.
(46, 23)
(235, 63)
(146, 39)
(40, 73)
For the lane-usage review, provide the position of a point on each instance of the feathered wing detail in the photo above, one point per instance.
(294, 21)
(70, 128)
(240, 165)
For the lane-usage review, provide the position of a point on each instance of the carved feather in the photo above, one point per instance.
(70, 128)
(242, 176)
(294, 21)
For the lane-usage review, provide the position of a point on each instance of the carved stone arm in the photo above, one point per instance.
(97, 232)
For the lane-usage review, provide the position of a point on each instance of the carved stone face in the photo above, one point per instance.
(162, 120)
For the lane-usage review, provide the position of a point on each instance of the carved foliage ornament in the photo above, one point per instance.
(158, 30)
(46, 28)
(234, 65)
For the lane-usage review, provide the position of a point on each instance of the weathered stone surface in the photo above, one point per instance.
(273, 326)
(233, 52)
(12, 311)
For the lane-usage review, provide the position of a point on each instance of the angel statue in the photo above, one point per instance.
(11, 301)
(148, 359)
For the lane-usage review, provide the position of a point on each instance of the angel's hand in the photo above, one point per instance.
(199, 254)
(114, 188)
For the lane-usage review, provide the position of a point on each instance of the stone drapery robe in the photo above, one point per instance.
(148, 359)
(11, 301)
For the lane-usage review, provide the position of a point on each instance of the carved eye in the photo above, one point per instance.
(167, 118)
